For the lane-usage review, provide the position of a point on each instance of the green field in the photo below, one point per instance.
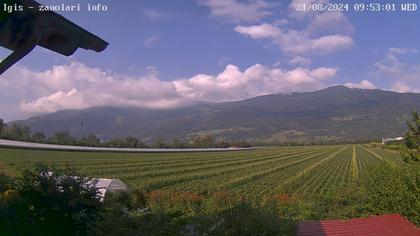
(296, 170)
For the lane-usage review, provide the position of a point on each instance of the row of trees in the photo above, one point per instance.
(23, 133)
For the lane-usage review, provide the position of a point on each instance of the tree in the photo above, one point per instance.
(223, 144)
(177, 143)
(133, 142)
(412, 140)
(63, 138)
(2, 126)
(243, 144)
(38, 137)
(206, 141)
(160, 143)
(90, 141)
(17, 132)
(115, 143)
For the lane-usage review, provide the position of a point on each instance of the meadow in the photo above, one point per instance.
(266, 171)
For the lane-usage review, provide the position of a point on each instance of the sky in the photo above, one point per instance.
(167, 54)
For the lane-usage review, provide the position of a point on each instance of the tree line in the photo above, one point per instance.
(23, 133)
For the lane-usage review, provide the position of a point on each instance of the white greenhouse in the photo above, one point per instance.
(105, 186)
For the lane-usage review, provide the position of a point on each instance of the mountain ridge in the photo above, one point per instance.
(335, 113)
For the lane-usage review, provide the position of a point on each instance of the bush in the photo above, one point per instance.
(395, 190)
(49, 203)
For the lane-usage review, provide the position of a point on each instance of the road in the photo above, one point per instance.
(28, 145)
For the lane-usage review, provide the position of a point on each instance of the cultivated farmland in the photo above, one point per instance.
(296, 170)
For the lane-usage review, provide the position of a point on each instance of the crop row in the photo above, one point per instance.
(297, 170)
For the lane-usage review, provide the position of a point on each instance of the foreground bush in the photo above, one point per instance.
(48, 203)
(387, 190)
(395, 190)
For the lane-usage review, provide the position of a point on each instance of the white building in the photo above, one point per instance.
(105, 186)
(387, 140)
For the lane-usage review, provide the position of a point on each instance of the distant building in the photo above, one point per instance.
(387, 140)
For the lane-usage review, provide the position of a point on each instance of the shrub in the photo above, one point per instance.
(395, 190)
(49, 203)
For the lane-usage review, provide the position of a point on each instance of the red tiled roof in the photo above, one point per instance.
(384, 225)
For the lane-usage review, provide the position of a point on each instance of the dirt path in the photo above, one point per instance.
(354, 168)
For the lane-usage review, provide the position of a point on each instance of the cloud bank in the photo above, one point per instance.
(236, 11)
(364, 84)
(77, 86)
(297, 42)
(405, 76)
(304, 32)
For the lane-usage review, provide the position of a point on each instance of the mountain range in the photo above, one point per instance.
(336, 113)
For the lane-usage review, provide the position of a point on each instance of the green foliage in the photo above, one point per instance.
(177, 143)
(160, 143)
(89, 141)
(342, 203)
(412, 140)
(258, 172)
(16, 132)
(62, 138)
(187, 213)
(115, 143)
(6, 183)
(49, 203)
(247, 219)
(386, 190)
(394, 190)
(132, 142)
(23, 133)
(203, 141)
(2, 127)
(187, 191)
(39, 137)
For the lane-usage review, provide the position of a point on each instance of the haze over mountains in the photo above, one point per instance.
(336, 113)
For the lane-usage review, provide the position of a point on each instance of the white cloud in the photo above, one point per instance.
(153, 14)
(404, 76)
(394, 51)
(233, 84)
(56, 101)
(299, 60)
(364, 84)
(260, 31)
(297, 42)
(330, 22)
(151, 40)
(304, 33)
(76, 86)
(400, 87)
(236, 11)
(296, 12)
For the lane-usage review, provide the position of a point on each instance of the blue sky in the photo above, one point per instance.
(166, 54)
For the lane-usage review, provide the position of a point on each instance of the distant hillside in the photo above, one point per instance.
(337, 113)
